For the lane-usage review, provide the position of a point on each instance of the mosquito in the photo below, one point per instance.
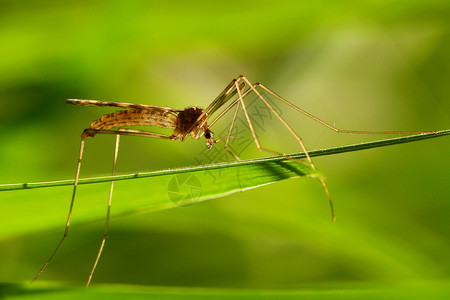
(191, 121)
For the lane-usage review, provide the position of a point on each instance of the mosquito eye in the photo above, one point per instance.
(208, 135)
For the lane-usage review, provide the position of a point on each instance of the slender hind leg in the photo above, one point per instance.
(90, 133)
(116, 151)
(66, 230)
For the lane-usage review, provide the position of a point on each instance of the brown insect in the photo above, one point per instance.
(191, 121)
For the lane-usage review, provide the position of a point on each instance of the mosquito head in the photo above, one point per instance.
(209, 138)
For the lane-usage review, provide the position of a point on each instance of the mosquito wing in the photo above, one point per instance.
(119, 104)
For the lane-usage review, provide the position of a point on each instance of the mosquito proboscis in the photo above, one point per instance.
(193, 121)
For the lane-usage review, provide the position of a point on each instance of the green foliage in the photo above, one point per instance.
(277, 168)
(363, 65)
(355, 291)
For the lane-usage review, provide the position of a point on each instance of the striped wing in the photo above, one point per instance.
(119, 104)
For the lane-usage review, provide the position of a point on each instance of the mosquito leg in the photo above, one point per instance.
(297, 137)
(220, 100)
(87, 133)
(133, 132)
(241, 87)
(235, 102)
(66, 230)
(121, 131)
(116, 152)
(229, 133)
(221, 96)
(335, 129)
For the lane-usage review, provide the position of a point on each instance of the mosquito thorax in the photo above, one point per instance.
(188, 122)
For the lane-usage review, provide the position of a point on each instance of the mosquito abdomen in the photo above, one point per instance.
(121, 118)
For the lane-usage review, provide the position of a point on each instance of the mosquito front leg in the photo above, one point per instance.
(229, 133)
(335, 129)
(233, 121)
(232, 104)
(220, 97)
(220, 100)
(297, 137)
(228, 93)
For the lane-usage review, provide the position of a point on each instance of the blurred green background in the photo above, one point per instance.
(364, 65)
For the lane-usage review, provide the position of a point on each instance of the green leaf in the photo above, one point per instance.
(253, 165)
(437, 290)
(158, 190)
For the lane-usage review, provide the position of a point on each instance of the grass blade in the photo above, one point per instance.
(152, 191)
(262, 163)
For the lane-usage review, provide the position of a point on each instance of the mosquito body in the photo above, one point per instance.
(183, 122)
(193, 121)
